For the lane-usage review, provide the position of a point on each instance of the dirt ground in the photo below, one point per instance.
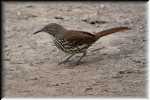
(115, 65)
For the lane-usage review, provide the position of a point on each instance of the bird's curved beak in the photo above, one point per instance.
(37, 31)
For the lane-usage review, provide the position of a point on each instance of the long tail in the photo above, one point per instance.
(110, 31)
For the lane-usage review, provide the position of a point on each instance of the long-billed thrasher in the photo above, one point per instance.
(73, 41)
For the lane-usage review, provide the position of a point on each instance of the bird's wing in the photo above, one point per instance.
(79, 37)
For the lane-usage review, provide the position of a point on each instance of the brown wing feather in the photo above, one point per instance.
(79, 37)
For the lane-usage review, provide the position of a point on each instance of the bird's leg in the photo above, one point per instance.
(78, 62)
(66, 60)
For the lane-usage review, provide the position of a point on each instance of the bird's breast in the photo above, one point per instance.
(70, 47)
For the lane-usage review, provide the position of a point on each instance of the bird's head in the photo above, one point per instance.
(52, 28)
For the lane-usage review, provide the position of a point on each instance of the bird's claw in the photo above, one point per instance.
(63, 62)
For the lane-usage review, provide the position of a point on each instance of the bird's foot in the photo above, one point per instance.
(63, 62)
(78, 63)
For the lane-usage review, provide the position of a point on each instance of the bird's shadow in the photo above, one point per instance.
(98, 57)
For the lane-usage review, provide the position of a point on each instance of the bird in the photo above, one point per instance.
(74, 41)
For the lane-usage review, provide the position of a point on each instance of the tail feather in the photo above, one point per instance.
(110, 31)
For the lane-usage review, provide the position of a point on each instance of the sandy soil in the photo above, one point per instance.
(114, 67)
